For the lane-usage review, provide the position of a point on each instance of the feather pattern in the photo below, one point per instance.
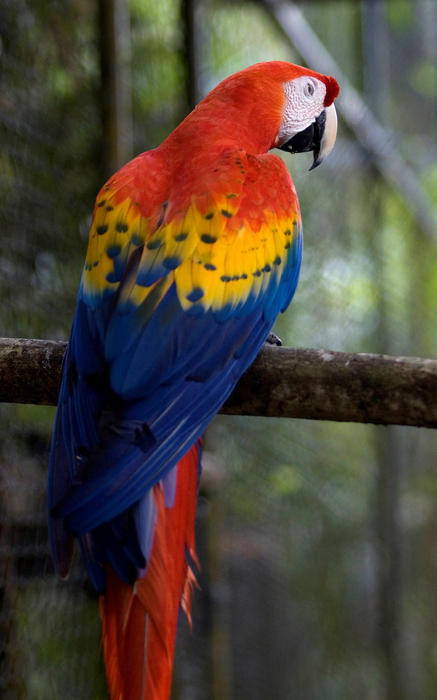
(139, 620)
(194, 249)
(203, 289)
(172, 308)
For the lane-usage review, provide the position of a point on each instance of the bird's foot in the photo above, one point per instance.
(272, 339)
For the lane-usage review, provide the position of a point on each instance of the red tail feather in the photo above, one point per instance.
(139, 621)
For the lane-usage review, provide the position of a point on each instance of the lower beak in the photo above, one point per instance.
(318, 137)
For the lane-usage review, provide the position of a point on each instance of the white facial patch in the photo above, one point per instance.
(304, 101)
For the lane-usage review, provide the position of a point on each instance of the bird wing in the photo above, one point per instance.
(182, 282)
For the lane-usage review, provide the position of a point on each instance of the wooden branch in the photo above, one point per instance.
(282, 382)
(338, 386)
(30, 370)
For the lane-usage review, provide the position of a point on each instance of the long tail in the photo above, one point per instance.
(139, 622)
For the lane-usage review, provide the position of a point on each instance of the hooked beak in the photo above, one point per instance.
(318, 137)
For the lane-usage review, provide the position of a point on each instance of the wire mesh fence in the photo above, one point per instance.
(317, 540)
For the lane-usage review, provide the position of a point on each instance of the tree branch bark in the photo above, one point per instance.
(282, 382)
(376, 139)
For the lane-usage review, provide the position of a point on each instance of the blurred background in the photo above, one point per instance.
(318, 541)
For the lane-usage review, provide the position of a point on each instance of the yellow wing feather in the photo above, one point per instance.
(214, 255)
(213, 264)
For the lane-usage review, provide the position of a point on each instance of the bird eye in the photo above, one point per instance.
(309, 89)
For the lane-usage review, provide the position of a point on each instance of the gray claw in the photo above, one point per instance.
(272, 339)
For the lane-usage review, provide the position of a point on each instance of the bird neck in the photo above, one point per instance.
(245, 119)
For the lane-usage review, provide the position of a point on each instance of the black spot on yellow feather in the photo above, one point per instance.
(231, 195)
(113, 251)
(172, 262)
(209, 266)
(109, 208)
(225, 278)
(102, 203)
(181, 236)
(207, 238)
(287, 232)
(121, 227)
(196, 294)
(287, 245)
(154, 244)
(102, 229)
(209, 215)
(277, 260)
(136, 239)
(226, 213)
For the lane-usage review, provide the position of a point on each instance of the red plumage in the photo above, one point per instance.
(139, 622)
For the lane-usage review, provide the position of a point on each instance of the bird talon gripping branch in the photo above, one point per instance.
(273, 339)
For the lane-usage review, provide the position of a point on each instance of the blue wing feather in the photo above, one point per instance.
(140, 385)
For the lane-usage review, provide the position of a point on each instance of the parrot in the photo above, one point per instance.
(194, 249)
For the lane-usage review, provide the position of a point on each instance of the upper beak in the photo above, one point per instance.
(328, 136)
(318, 137)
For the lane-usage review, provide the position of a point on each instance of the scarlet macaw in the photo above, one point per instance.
(194, 249)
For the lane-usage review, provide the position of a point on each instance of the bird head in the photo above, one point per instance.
(280, 105)
(309, 119)
(268, 105)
